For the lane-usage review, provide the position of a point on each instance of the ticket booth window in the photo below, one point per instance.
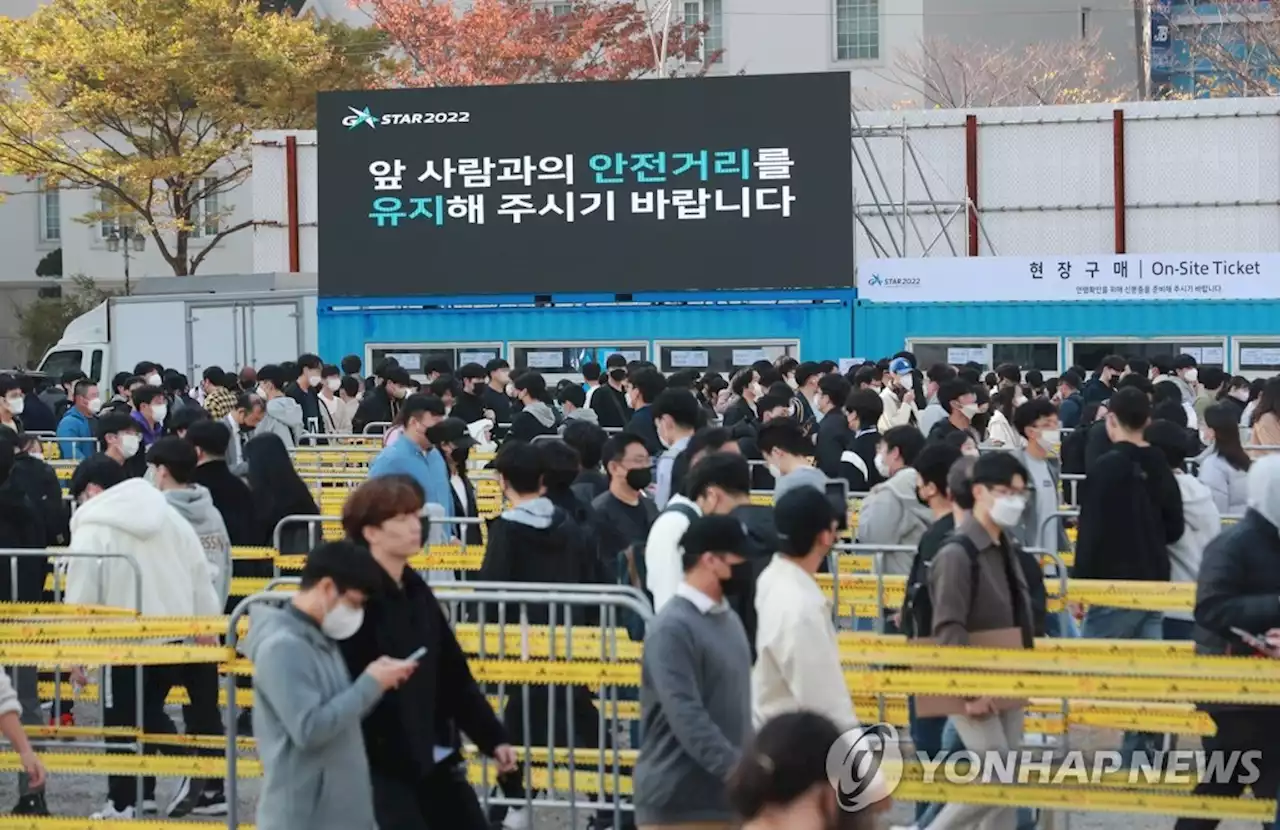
(1039, 355)
(557, 361)
(1257, 358)
(413, 357)
(724, 357)
(1089, 354)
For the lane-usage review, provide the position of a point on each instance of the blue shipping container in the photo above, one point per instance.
(821, 320)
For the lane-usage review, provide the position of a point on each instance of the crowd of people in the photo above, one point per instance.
(636, 478)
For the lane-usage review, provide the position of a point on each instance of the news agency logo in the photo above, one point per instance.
(359, 117)
(856, 759)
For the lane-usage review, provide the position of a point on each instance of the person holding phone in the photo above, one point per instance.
(307, 712)
(419, 778)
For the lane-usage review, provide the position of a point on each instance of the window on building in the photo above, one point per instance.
(559, 9)
(711, 13)
(107, 206)
(50, 211)
(205, 220)
(857, 30)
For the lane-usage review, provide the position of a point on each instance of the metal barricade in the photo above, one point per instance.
(376, 428)
(559, 608)
(1074, 479)
(104, 686)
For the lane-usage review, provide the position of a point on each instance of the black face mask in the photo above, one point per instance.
(639, 479)
(738, 582)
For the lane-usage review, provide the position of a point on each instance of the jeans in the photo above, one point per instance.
(1177, 629)
(1053, 626)
(951, 742)
(1127, 624)
(926, 735)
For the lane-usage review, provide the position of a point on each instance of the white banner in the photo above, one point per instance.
(1071, 278)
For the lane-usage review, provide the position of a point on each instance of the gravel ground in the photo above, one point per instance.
(80, 795)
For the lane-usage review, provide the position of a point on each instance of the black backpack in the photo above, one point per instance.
(917, 616)
(631, 568)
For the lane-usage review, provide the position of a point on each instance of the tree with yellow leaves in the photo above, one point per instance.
(153, 102)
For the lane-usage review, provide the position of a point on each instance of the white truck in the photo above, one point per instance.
(190, 324)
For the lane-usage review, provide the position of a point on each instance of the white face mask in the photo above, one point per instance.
(95, 406)
(1241, 395)
(1007, 510)
(774, 471)
(313, 378)
(969, 410)
(39, 456)
(791, 381)
(342, 621)
(334, 384)
(1192, 375)
(882, 465)
(159, 412)
(1050, 438)
(153, 379)
(757, 390)
(1019, 401)
(129, 444)
(16, 405)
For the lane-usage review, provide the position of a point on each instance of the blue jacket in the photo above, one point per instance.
(427, 468)
(75, 424)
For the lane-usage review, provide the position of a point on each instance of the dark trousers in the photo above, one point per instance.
(1256, 728)
(441, 801)
(201, 715)
(121, 684)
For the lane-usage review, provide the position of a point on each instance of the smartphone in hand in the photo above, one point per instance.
(417, 655)
(1256, 643)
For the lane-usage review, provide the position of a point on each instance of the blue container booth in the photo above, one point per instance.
(710, 331)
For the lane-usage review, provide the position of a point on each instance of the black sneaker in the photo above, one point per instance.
(184, 798)
(244, 724)
(211, 803)
(32, 804)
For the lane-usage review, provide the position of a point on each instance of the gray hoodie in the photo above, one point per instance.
(892, 514)
(930, 416)
(306, 719)
(283, 418)
(1229, 486)
(545, 414)
(582, 413)
(800, 477)
(195, 504)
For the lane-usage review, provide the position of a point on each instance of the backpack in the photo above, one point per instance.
(917, 617)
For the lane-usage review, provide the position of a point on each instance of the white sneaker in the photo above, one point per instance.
(109, 812)
(517, 819)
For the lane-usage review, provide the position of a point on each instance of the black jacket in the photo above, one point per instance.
(749, 447)
(617, 527)
(865, 444)
(37, 416)
(1238, 585)
(39, 483)
(1095, 391)
(469, 408)
(501, 406)
(376, 407)
(1131, 512)
(309, 400)
(537, 542)
(1097, 443)
(233, 499)
(610, 407)
(471, 532)
(833, 439)
(643, 426)
(762, 543)
(401, 732)
(22, 528)
(738, 411)
(590, 484)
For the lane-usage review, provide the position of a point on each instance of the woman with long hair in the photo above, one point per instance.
(1225, 470)
(279, 491)
(781, 782)
(1000, 431)
(1264, 424)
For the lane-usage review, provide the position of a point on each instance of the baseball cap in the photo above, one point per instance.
(451, 431)
(900, 366)
(803, 513)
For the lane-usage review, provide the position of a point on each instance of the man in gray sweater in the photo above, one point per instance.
(307, 713)
(789, 454)
(695, 692)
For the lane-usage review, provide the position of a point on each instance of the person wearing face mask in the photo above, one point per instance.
(695, 693)
(12, 402)
(781, 783)
(536, 417)
(150, 409)
(1037, 423)
(644, 385)
(625, 513)
(1185, 377)
(804, 383)
(218, 399)
(118, 440)
(495, 395)
(304, 390)
(469, 403)
(308, 712)
(898, 396)
(1225, 468)
(833, 432)
(675, 414)
(130, 516)
(609, 401)
(960, 401)
(414, 455)
(1072, 403)
(892, 514)
(862, 410)
(327, 397)
(1238, 393)
(978, 586)
(410, 736)
(746, 388)
(1103, 383)
(284, 418)
(788, 452)
(378, 408)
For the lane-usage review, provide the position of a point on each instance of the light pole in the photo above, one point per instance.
(131, 238)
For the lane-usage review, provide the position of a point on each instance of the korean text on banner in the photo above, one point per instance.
(1060, 279)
